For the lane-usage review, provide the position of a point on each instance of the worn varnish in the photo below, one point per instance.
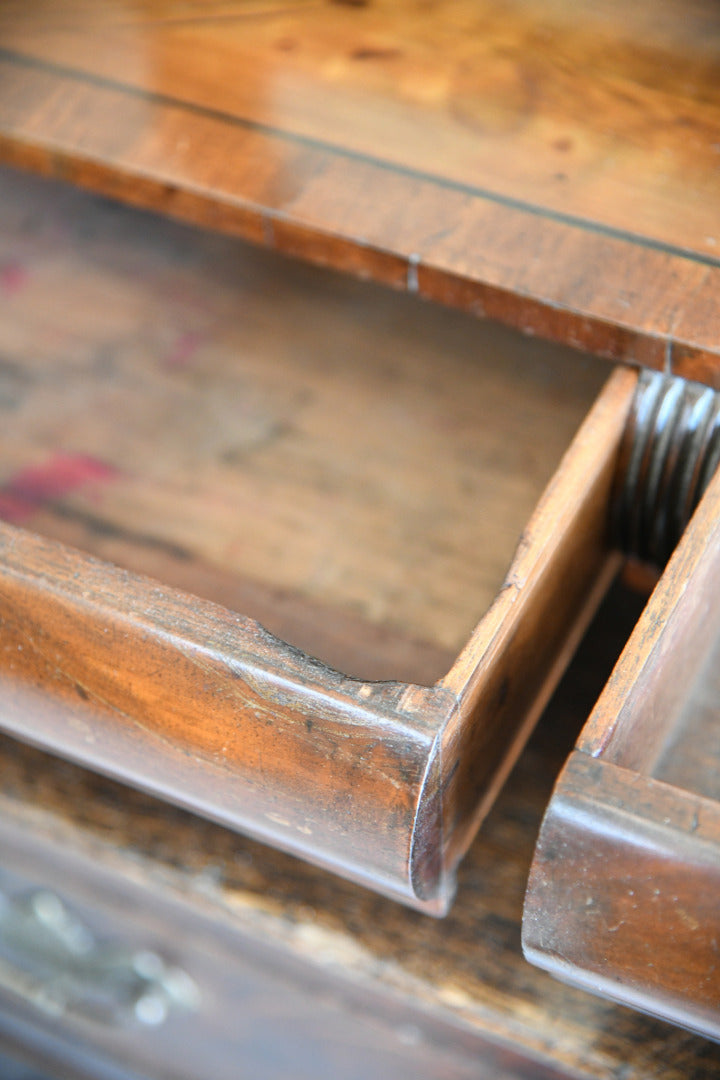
(551, 164)
(348, 978)
(623, 894)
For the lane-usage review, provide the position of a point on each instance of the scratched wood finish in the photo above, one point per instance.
(554, 165)
(337, 976)
(623, 893)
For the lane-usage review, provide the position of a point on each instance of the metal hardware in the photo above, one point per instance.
(51, 959)
(669, 454)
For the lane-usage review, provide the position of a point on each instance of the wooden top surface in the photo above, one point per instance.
(551, 164)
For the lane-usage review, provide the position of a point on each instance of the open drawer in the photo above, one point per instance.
(347, 465)
(624, 892)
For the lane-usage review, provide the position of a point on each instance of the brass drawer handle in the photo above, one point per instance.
(52, 960)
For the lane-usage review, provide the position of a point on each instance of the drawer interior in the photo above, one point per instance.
(658, 716)
(630, 910)
(325, 483)
(351, 466)
(690, 755)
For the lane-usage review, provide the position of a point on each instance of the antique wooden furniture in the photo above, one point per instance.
(271, 945)
(530, 163)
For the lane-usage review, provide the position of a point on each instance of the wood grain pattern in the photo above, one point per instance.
(279, 947)
(209, 710)
(548, 164)
(639, 798)
(666, 655)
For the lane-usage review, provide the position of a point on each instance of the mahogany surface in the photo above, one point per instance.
(623, 893)
(551, 164)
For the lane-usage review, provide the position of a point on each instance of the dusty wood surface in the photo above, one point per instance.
(690, 755)
(462, 982)
(551, 164)
(623, 892)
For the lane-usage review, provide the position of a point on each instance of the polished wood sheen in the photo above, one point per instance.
(551, 164)
(623, 893)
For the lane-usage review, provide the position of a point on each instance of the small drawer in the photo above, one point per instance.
(623, 893)
(346, 466)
